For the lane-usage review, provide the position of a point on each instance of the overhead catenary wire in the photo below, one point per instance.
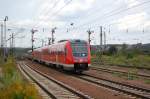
(88, 14)
(92, 12)
(110, 14)
(57, 12)
(60, 9)
(64, 6)
(100, 19)
(100, 9)
(47, 11)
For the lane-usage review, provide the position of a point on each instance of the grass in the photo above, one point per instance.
(12, 84)
(118, 74)
(147, 81)
(131, 75)
(137, 61)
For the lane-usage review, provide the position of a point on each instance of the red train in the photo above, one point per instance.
(71, 55)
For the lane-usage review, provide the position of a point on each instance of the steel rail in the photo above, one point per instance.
(43, 88)
(118, 71)
(78, 93)
(125, 88)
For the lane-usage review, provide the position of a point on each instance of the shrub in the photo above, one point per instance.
(112, 50)
(124, 49)
(13, 86)
(129, 55)
(19, 91)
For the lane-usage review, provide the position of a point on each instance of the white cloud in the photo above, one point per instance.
(147, 24)
(44, 6)
(131, 3)
(132, 21)
(47, 11)
(19, 23)
(78, 5)
(73, 7)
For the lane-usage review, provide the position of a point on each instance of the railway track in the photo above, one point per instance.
(52, 87)
(130, 90)
(127, 89)
(40, 89)
(118, 71)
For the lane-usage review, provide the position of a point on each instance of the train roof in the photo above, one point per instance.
(38, 49)
(72, 40)
(29, 51)
(77, 40)
(60, 42)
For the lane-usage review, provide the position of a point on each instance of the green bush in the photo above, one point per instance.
(129, 56)
(112, 50)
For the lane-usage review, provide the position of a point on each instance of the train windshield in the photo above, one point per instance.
(79, 49)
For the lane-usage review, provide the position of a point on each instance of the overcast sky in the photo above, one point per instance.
(124, 21)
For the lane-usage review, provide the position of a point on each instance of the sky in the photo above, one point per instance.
(123, 21)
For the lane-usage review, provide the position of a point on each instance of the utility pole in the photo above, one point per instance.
(2, 53)
(1, 35)
(104, 40)
(12, 44)
(53, 31)
(5, 42)
(89, 36)
(101, 38)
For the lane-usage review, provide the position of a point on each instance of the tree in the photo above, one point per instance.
(112, 50)
(124, 49)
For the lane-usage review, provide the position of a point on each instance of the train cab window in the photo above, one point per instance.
(79, 49)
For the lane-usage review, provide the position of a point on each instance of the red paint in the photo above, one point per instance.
(60, 53)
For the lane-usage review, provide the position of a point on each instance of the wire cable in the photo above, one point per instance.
(59, 10)
(121, 11)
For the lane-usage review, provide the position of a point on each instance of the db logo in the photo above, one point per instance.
(81, 60)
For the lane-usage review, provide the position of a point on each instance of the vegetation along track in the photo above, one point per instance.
(119, 71)
(119, 65)
(125, 88)
(54, 88)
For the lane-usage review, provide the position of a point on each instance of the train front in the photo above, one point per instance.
(81, 55)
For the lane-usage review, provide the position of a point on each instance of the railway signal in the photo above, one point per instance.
(49, 41)
(11, 44)
(104, 40)
(101, 38)
(71, 24)
(53, 31)
(89, 36)
(32, 35)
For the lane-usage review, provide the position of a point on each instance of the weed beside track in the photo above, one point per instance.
(13, 85)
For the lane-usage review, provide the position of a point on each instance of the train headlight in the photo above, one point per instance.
(83, 54)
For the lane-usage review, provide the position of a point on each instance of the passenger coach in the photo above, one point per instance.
(67, 54)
